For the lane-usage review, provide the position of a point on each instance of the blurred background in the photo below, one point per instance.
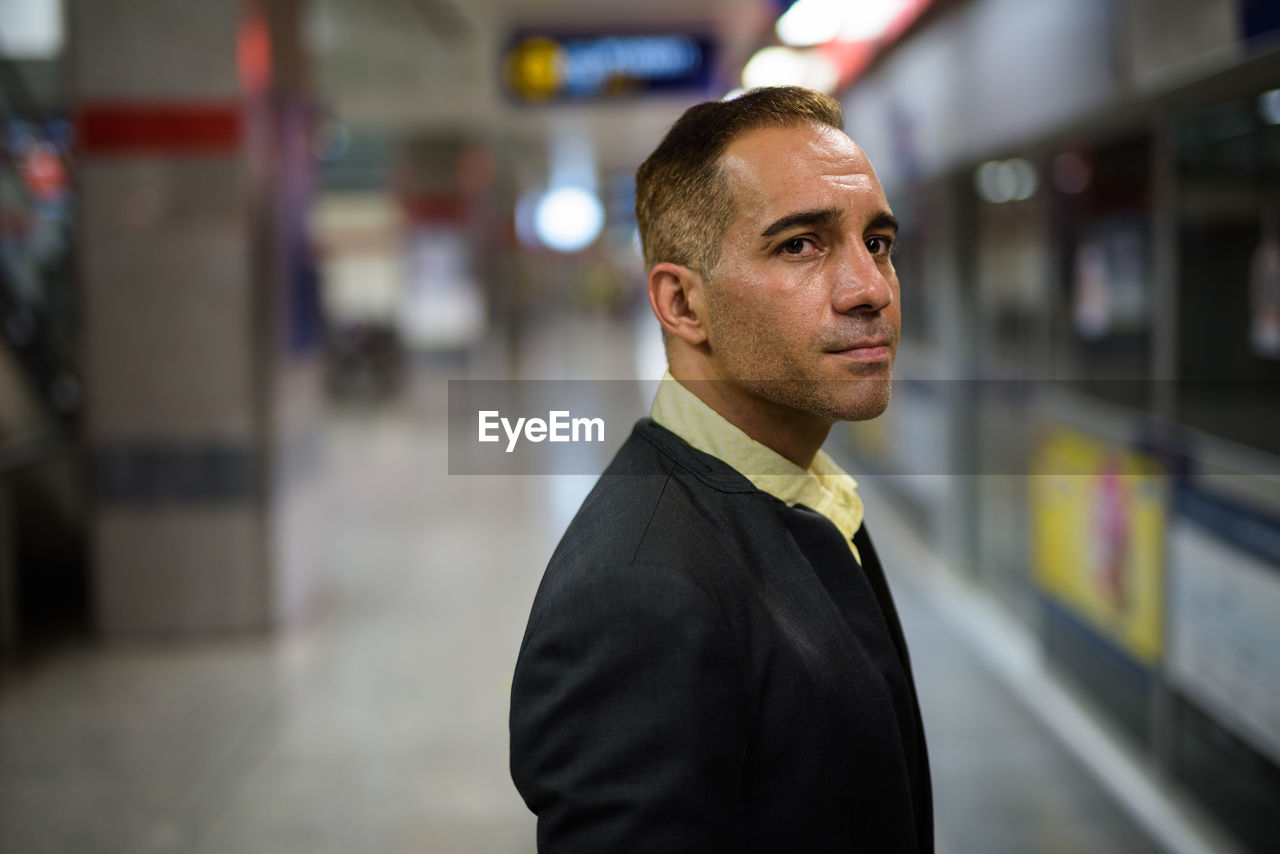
(245, 245)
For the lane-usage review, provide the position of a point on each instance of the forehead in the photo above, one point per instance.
(780, 169)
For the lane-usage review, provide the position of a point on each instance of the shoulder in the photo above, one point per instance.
(660, 508)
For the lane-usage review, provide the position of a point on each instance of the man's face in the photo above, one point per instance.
(802, 308)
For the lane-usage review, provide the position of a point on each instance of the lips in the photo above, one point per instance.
(865, 344)
(863, 350)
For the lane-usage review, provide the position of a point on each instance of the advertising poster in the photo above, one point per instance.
(1098, 522)
(1224, 593)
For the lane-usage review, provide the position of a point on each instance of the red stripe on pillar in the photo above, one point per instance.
(159, 128)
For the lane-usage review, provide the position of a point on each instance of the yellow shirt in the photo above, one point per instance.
(824, 486)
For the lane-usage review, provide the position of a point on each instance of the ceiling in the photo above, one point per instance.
(420, 67)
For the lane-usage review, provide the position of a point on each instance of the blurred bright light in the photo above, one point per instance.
(1269, 106)
(999, 181)
(1022, 178)
(784, 66)
(733, 93)
(813, 22)
(984, 181)
(32, 29)
(869, 19)
(810, 22)
(568, 218)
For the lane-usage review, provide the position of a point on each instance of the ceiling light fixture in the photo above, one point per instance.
(814, 22)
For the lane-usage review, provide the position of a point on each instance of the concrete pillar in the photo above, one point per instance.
(192, 177)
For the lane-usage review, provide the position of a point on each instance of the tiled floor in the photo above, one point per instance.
(379, 725)
(1002, 782)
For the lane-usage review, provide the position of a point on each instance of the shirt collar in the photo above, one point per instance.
(824, 486)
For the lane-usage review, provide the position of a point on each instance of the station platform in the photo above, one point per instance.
(379, 723)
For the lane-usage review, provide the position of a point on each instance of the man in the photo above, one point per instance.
(713, 661)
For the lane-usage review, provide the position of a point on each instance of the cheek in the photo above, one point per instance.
(770, 308)
(746, 326)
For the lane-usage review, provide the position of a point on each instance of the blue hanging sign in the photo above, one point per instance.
(546, 68)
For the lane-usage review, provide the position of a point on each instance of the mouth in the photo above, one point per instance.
(869, 351)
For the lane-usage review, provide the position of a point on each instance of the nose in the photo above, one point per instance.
(863, 282)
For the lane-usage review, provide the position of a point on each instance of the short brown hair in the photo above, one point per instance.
(683, 203)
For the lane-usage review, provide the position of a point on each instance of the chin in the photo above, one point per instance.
(832, 399)
(859, 400)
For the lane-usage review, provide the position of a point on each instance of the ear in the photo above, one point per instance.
(677, 295)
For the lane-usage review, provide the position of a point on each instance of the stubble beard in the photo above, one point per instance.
(853, 399)
(767, 374)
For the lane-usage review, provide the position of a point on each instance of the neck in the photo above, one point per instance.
(797, 436)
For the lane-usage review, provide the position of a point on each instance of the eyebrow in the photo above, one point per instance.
(826, 217)
(818, 217)
(883, 220)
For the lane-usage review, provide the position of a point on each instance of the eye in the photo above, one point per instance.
(879, 245)
(798, 247)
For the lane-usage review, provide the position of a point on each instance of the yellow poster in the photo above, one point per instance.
(1098, 522)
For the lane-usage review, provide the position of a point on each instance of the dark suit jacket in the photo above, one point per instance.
(706, 669)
